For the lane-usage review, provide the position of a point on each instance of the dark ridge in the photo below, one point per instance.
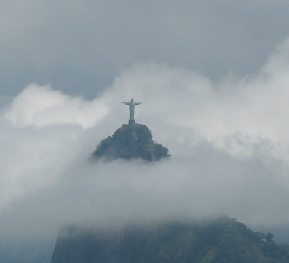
(220, 241)
(131, 141)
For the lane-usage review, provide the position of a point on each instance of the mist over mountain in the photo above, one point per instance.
(226, 159)
(221, 240)
(214, 78)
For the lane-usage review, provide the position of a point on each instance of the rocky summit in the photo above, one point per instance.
(131, 141)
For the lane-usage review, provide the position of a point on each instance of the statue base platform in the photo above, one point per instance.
(131, 122)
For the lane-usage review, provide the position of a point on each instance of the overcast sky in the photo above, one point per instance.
(213, 76)
(79, 46)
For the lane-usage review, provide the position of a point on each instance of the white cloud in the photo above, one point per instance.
(41, 106)
(234, 111)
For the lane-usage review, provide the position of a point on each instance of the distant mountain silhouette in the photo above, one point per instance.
(220, 241)
(131, 141)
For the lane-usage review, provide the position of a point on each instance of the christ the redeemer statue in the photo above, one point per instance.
(131, 105)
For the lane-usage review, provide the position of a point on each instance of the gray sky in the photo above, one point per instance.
(79, 46)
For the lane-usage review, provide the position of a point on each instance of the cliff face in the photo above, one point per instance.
(221, 241)
(131, 141)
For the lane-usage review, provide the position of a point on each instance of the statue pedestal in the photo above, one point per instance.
(131, 122)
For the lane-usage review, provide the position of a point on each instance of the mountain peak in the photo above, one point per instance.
(131, 141)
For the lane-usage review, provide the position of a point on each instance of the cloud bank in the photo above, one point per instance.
(228, 139)
(42, 106)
